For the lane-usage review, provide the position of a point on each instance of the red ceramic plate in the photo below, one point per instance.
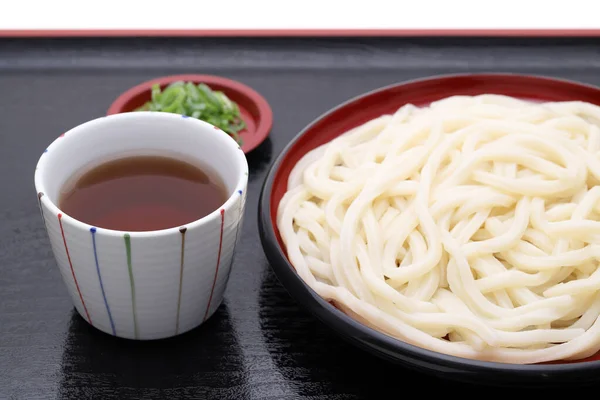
(366, 107)
(254, 109)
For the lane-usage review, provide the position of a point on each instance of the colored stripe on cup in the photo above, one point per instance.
(62, 231)
(217, 267)
(127, 239)
(182, 231)
(112, 323)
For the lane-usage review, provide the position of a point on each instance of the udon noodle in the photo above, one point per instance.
(469, 227)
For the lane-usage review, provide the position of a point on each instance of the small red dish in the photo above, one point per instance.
(254, 109)
(357, 111)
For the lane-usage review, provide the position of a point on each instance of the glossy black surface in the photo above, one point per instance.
(260, 343)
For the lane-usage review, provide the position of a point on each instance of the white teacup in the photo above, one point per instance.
(144, 285)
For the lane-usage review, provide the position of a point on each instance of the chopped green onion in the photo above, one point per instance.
(200, 102)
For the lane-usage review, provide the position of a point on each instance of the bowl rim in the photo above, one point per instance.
(347, 326)
(265, 113)
(53, 205)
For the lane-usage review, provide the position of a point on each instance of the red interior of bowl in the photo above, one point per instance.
(254, 109)
(420, 93)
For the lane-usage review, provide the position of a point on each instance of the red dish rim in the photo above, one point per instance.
(274, 188)
(265, 114)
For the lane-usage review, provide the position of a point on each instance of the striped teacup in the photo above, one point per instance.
(144, 285)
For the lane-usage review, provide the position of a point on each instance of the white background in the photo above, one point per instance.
(299, 14)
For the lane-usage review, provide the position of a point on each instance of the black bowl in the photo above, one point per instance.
(357, 111)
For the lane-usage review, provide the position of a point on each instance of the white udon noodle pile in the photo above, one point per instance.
(470, 227)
